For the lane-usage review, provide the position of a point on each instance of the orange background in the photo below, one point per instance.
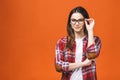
(29, 30)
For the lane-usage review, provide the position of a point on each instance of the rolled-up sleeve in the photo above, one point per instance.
(95, 48)
(60, 59)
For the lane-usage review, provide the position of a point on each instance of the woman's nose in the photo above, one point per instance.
(77, 23)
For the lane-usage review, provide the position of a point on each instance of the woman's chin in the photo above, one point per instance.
(77, 30)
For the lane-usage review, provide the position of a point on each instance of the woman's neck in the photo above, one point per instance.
(79, 35)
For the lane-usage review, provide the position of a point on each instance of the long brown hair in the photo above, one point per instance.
(70, 31)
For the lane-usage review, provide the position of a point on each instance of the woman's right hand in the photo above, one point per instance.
(87, 62)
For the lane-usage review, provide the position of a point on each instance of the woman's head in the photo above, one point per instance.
(76, 23)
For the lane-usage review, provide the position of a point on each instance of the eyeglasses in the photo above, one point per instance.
(80, 21)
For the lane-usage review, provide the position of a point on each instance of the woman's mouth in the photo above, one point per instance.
(77, 27)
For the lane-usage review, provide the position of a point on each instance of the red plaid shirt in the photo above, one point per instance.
(65, 56)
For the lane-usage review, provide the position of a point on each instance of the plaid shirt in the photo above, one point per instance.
(65, 56)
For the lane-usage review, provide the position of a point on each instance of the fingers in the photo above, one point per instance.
(88, 21)
(93, 59)
(88, 62)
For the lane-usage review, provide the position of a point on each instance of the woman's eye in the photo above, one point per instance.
(81, 20)
(73, 20)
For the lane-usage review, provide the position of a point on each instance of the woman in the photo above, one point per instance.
(76, 52)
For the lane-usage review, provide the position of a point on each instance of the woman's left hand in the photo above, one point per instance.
(89, 24)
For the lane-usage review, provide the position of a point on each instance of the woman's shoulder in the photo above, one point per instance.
(96, 37)
(62, 40)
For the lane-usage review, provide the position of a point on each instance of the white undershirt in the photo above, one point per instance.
(77, 74)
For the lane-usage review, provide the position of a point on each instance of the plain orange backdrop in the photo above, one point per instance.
(29, 30)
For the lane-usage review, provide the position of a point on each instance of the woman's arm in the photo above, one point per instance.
(73, 66)
(94, 43)
(89, 26)
(91, 55)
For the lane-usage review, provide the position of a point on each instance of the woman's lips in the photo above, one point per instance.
(77, 27)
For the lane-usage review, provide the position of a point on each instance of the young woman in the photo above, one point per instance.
(76, 52)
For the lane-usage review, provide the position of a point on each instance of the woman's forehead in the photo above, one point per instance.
(77, 15)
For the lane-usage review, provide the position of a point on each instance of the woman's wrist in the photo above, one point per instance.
(81, 64)
(86, 62)
(90, 32)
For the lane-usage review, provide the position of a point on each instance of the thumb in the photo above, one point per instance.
(86, 23)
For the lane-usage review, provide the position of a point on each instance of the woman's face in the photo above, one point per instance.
(77, 22)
